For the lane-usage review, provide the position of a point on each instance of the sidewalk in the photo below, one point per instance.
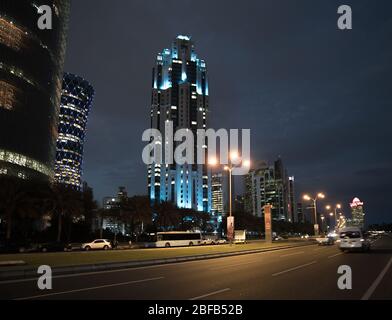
(80, 262)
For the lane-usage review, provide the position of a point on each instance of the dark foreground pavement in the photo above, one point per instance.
(299, 273)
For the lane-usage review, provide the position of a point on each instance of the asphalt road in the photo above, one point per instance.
(299, 273)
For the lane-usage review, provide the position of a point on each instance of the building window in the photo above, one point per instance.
(7, 96)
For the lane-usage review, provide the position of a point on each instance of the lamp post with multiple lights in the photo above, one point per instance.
(338, 206)
(234, 162)
(309, 198)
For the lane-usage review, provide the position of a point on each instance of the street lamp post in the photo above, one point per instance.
(230, 167)
(338, 206)
(309, 198)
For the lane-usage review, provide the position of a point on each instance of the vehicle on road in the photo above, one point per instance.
(325, 241)
(99, 244)
(54, 247)
(221, 241)
(240, 236)
(178, 239)
(18, 247)
(206, 242)
(353, 239)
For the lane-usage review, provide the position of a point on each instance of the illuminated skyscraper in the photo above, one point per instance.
(357, 214)
(31, 69)
(269, 185)
(180, 94)
(220, 193)
(76, 101)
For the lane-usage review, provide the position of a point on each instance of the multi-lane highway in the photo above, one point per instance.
(309, 272)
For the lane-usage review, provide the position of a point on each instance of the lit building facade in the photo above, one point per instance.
(31, 68)
(219, 193)
(110, 222)
(357, 214)
(180, 94)
(268, 185)
(76, 101)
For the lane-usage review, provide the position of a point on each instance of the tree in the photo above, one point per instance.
(166, 216)
(14, 200)
(66, 204)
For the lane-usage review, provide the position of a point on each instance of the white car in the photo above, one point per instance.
(221, 241)
(206, 242)
(351, 239)
(99, 244)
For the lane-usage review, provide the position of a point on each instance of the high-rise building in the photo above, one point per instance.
(111, 222)
(31, 69)
(219, 193)
(268, 185)
(76, 101)
(357, 214)
(180, 94)
(300, 213)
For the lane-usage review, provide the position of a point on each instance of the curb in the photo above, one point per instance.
(31, 273)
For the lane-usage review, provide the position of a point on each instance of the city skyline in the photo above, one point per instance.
(299, 97)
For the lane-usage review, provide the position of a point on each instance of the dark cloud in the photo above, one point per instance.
(319, 97)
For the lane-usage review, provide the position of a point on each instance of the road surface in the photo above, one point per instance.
(299, 273)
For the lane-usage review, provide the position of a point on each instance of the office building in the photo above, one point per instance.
(267, 184)
(31, 69)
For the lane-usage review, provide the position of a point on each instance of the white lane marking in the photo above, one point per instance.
(90, 288)
(81, 274)
(292, 254)
(376, 282)
(210, 294)
(234, 265)
(335, 255)
(293, 269)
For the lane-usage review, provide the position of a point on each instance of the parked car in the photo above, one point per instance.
(54, 247)
(18, 247)
(206, 242)
(221, 241)
(99, 244)
(352, 239)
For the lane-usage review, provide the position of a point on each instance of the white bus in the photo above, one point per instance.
(177, 239)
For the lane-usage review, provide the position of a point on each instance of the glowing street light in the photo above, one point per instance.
(338, 206)
(306, 197)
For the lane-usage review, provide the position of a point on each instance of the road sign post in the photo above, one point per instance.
(230, 229)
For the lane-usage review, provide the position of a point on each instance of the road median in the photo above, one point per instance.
(85, 262)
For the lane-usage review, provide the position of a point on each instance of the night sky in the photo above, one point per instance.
(319, 97)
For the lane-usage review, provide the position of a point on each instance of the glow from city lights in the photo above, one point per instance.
(212, 161)
(234, 155)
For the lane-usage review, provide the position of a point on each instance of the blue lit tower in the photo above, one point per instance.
(76, 101)
(180, 94)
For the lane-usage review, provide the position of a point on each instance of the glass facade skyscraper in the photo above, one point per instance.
(269, 185)
(31, 68)
(180, 94)
(76, 101)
